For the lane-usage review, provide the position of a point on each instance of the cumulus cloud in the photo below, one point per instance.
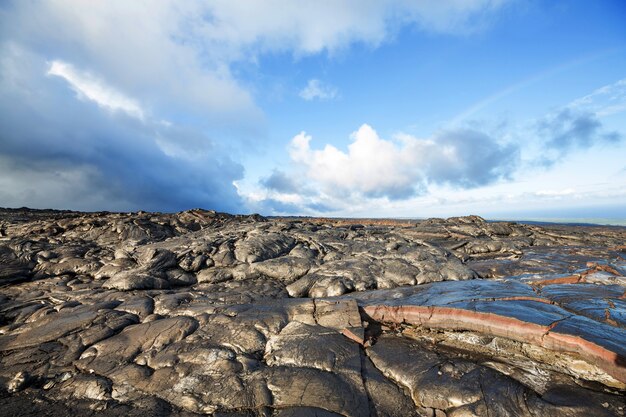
(404, 167)
(315, 89)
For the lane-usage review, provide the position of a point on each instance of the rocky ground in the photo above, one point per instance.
(206, 313)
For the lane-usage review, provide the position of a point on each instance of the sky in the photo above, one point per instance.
(508, 109)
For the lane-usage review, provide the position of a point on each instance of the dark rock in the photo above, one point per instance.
(256, 248)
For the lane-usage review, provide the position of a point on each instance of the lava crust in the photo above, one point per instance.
(205, 313)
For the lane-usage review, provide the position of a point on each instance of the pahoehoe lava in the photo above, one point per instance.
(206, 313)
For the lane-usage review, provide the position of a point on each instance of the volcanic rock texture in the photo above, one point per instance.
(203, 313)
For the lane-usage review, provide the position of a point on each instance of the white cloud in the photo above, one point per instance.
(555, 193)
(185, 48)
(315, 89)
(404, 167)
(312, 27)
(90, 87)
(145, 49)
(177, 56)
(371, 165)
(604, 101)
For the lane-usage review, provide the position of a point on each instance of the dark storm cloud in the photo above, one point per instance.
(59, 150)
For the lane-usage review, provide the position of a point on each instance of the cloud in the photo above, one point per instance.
(148, 51)
(570, 129)
(579, 125)
(313, 27)
(89, 87)
(177, 55)
(285, 201)
(555, 193)
(450, 170)
(58, 151)
(604, 101)
(285, 193)
(399, 169)
(124, 105)
(271, 206)
(281, 182)
(275, 206)
(567, 130)
(319, 207)
(315, 89)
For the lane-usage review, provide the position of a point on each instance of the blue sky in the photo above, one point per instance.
(502, 108)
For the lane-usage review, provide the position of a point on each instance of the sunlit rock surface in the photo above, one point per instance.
(204, 313)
